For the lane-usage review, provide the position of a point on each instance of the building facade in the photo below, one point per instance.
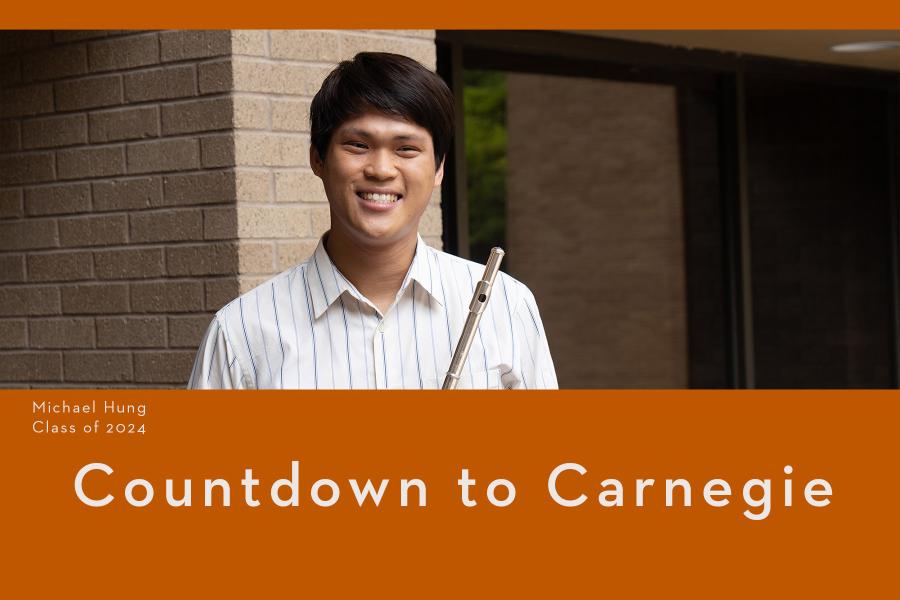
(685, 218)
(146, 179)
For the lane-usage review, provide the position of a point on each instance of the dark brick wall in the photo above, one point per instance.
(116, 241)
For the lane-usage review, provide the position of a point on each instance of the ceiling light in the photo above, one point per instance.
(866, 46)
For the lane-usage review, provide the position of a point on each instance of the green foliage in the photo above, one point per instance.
(484, 97)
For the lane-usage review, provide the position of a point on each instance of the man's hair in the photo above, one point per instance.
(389, 83)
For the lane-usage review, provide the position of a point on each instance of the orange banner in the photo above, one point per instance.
(688, 494)
(460, 14)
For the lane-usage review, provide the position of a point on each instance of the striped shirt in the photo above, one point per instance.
(310, 328)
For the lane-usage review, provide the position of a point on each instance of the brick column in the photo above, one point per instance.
(147, 178)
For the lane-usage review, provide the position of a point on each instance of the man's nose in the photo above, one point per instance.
(381, 165)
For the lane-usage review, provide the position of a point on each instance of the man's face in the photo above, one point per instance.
(378, 174)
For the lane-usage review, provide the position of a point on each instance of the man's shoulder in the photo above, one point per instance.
(276, 285)
(506, 284)
(445, 258)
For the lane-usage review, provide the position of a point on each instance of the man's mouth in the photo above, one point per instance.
(379, 198)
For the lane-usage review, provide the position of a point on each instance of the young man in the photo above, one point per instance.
(374, 307)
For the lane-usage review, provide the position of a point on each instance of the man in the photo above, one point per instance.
(374, 307)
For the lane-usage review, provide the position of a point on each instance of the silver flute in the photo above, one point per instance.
(476, 309)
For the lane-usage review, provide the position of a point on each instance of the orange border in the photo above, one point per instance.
(456, 14)
(57, 546)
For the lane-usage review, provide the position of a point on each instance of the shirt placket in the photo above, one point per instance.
(379, 353)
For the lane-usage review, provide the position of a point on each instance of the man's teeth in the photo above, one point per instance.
(381, 198)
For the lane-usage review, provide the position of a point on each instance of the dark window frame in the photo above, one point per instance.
(555, 53)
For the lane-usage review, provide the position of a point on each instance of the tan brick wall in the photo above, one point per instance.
(593, 174)
(146, 178)
(117, 240)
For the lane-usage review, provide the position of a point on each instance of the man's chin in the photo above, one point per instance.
(378, 237)
(376, 233)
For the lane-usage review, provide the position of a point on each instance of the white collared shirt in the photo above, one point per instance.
(310, 328)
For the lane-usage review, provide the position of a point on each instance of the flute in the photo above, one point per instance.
(476, 309)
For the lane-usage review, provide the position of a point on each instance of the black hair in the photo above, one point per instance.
(390, 83)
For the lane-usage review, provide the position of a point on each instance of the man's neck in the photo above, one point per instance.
(377, 272)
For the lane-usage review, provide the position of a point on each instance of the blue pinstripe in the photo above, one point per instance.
(280, 340)
(431, 318)
(446, 308)
(327, 322)
(416, 336)
(527, 347)
(216, 347)
(294, 321)
(365, 343)
(247, 339)
(512, 332)
(346, 328)
(228, 337)
(480, 338)
(537, 330)
(469, 357)
(262, 333)
(312, 331)
(400, 349)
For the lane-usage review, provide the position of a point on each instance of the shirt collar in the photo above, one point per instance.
(326, 284)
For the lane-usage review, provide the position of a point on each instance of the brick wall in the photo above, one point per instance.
(145, 179)
(594, 175)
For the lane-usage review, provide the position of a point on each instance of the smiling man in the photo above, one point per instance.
(374, 307)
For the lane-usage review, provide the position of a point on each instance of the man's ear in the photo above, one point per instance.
(315, 161)
(439, 174)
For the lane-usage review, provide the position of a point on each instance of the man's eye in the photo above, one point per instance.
(408, 150)
(358, 145)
